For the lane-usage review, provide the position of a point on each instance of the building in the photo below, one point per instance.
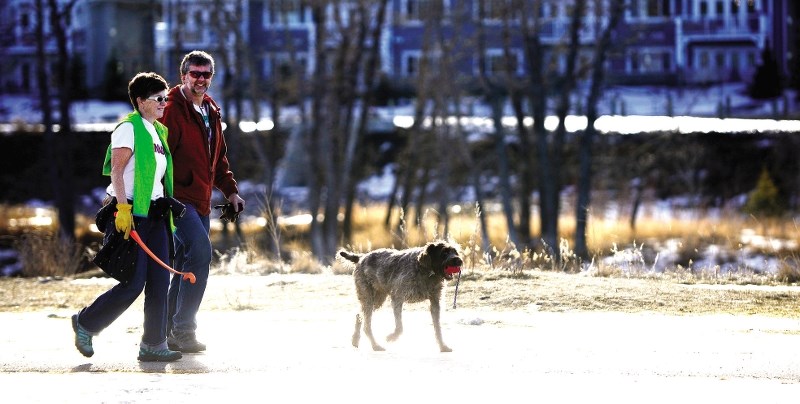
(102, 35)
(665, 41)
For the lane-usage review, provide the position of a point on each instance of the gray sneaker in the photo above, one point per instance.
(160, 355)
(185, 342)
(83, 339)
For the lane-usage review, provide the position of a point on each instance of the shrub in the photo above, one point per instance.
(764, 200)
(46, 254)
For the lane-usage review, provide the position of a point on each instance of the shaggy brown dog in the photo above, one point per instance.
(410, 275)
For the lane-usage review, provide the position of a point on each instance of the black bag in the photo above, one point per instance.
(117, 256)
(105, 215)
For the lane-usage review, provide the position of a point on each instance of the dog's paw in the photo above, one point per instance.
(393, 337)
(378, 348)
(445, 348)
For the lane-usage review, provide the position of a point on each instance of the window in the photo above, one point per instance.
(25, 72)
(279, 65)
(750, 5)
(410, 64)
(285, 12)
(703, 9)
(634, 61)
(198, 18)
(497, 9)
(704, 60)
(25, 21)
(496, 62)
(719, 59)
(720, 8)
(418, 10)
(651, 61)
(751, 59)
(658, 8)
(492, 9)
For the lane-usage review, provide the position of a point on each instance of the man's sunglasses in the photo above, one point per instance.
(196, 75)
(159, 98)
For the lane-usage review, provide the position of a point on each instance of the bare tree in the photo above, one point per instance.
(59, 146)
(556, 147)
(494, 94)
(537, 95)
(341, 29)
(367, 98)
(602, 48)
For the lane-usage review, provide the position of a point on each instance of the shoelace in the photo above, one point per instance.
(83, 337)
(162, 352)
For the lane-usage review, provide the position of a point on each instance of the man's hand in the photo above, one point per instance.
(230, 211)
(237, 202)
(124, 219)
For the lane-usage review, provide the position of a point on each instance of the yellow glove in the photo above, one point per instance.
(124, 220)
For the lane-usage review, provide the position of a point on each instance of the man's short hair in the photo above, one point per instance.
(196, 58)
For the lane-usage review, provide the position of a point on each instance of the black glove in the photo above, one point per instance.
(229, 214)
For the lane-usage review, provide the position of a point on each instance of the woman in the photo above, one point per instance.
(140, 165)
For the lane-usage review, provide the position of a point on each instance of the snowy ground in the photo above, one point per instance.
(623, 108)
(287, 339)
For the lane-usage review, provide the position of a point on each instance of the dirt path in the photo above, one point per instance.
(287, 337)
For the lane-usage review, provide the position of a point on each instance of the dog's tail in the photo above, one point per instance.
(353, 257)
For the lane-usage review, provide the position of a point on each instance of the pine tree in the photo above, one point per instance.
(764, 200)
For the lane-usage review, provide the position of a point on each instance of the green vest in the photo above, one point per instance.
(145, 163)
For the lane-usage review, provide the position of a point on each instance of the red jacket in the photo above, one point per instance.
(198, 166)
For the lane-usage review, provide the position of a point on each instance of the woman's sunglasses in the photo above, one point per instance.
(159, 98)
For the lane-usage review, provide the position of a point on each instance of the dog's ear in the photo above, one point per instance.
(431, 257)
(424, 259)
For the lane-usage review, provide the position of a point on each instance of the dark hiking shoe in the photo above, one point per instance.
(161, 355)
(185, 342)
(83, 339)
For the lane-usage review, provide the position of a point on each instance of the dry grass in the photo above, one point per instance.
(481, 289)
(503, 277)
(45, 254)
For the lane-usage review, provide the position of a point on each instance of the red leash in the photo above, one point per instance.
(186, 275)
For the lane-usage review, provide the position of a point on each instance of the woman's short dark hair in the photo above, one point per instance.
(144, 85)
(196, 58)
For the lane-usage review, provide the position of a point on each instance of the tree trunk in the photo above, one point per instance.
(59, 22)
(50, 147)
(602, 48)
(562, 110)
(493, 95)
(314, 132)
(370, 74)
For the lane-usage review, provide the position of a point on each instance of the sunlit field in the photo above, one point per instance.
(699, 243)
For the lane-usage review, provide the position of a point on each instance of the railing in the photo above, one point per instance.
(720, 26)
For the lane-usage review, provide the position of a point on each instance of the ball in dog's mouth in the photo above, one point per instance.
(450, 271)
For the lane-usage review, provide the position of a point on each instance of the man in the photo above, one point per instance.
(200, 162)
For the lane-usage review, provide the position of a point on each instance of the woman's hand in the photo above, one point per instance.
(124, 219)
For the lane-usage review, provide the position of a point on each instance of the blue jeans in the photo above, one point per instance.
(192, 254)
(149, 276)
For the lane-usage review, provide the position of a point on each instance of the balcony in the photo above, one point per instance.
(723, 27)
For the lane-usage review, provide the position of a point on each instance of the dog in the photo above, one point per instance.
(411, 275)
